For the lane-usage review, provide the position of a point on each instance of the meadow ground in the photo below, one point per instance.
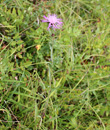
(55, 79)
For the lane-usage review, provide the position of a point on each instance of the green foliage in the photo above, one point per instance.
(54, 80)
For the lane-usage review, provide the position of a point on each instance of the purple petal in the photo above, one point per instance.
(54, 22)
(58, 26)
(60, 22)
(54, 27)
(54, 15)
(45, 17)
(44, 20)
(49, 26)
(60, 19)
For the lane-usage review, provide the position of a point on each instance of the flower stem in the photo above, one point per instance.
(51, 49)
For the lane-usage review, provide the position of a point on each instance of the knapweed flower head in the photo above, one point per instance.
(54, 22)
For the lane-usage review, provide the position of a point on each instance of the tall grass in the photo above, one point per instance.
(55, 81)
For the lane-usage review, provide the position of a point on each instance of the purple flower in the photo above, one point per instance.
(53, 21)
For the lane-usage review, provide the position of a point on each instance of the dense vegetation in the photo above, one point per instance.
(55, 79)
